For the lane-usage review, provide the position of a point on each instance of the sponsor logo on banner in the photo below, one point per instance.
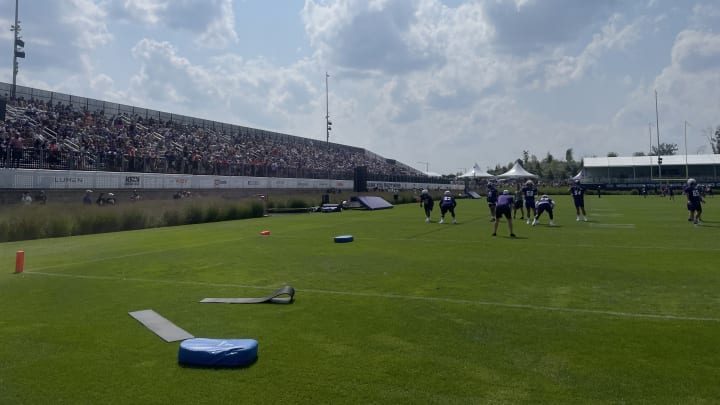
(182, 181)
(69, 180)
(132, 180)
(219, 182)
(303, 183)
(253, 183)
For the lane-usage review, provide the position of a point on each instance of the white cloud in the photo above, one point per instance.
(612, 36)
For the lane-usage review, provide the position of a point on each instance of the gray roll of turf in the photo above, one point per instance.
(274, 298)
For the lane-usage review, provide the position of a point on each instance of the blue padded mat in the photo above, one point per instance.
(218, 352)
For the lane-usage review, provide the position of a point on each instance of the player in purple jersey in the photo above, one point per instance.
(529, 192)
(544, 204)
(578, 194)
(518, 204)
(427, 203)
(447, 204)
(694, 202)
(504, 208)
(492, 196)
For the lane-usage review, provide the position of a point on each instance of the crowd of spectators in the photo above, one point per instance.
(38, 134)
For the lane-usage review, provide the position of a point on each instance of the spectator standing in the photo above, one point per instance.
(26, 199)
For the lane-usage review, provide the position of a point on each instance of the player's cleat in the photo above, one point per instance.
(512, 235)
(454, 221)
(577, 219)
(427, 219)
(494, 234)
(552, 223)
(442, 220)
(492, 219)
(528, 221)
(534, 222)
(585, 219)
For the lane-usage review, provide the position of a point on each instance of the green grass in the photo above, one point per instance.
(622, 309)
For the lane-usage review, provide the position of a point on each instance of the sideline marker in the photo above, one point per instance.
(19, 261)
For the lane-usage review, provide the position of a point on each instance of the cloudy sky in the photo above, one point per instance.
(436, 84)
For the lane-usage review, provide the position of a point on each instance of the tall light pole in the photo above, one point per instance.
(657, 130)
(687, 171)
(18, 49)
(328, 124)
(650, 153)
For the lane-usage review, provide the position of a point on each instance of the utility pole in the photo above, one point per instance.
(657, 130)
(687, 171)
(17, 53)
(328, 123)
(650, 153)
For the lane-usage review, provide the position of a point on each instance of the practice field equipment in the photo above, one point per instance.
(265, 233)
(205, 352)
(284, 295)
(344, 239)
(370, 202)
(162, 327)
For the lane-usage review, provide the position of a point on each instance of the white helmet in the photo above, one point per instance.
(691, 181)
(545, 197)
(529, 182)
(424, 191)
(447, 192)
(506, 191)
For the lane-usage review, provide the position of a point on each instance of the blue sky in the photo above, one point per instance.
(447, 82)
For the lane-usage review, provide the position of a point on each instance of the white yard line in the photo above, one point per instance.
(399, 296)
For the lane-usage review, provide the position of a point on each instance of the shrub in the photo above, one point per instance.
(171, 218)
(297, 203)
(58, 227)
(24, 228)
(194, 214)
(212, 214)
(133, 219)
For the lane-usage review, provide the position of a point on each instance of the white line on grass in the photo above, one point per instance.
(399, 296)
(621, 226)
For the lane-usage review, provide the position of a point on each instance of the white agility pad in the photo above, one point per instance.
(161, 326)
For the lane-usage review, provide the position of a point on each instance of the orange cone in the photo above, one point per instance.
(265, 233)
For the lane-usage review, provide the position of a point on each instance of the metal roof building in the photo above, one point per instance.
(645, 169)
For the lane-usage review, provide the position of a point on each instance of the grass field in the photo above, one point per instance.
(622, 309)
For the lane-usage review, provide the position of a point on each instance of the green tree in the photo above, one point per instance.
(665, 149)
(569, 156)
(638, 153)
(612, 154)
(714, 138)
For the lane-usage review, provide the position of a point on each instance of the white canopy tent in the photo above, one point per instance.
(517, 172)
(477, 173)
